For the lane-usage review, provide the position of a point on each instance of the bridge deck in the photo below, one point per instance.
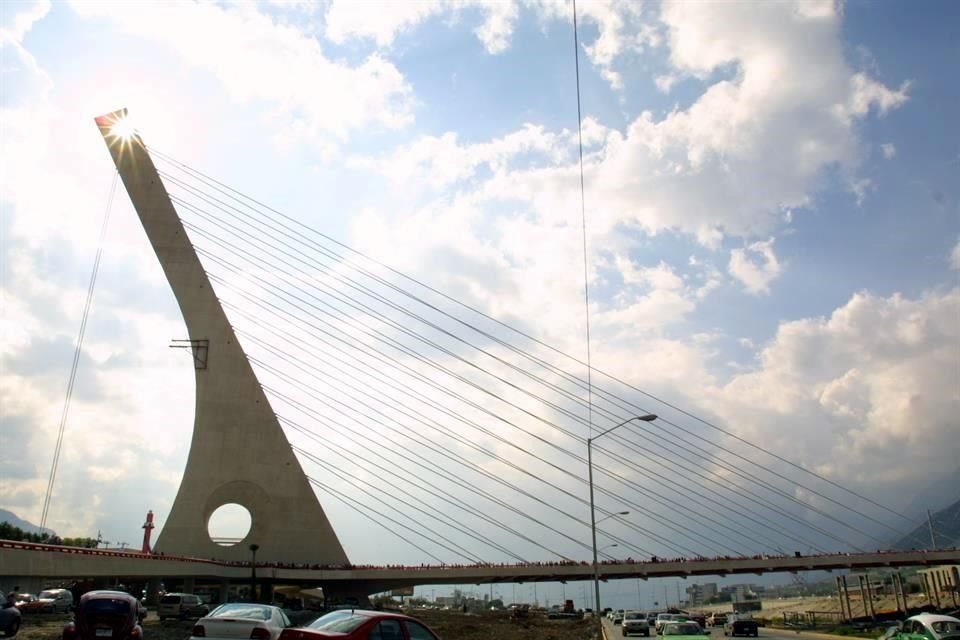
(31, 560)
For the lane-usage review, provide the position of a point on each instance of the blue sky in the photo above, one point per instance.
(771, 204)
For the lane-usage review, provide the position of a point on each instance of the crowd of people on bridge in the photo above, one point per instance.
(536, 564)
(429, 567)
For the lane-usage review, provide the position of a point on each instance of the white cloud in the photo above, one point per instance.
(955, 257)
(439, 161)
(788, 114)
(756, 266)
(314, 97)
(860, 188)
(871, 389)
(868, 94)
(18, 17)
(889, 150)
(665, 82)
(345, 19)
(623, 27)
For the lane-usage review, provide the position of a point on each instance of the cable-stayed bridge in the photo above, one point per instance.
(459, 435)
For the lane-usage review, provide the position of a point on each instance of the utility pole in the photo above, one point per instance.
(933, 538)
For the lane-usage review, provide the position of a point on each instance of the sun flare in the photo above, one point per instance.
(123, 129)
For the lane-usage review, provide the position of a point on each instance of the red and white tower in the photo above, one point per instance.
(147, 530)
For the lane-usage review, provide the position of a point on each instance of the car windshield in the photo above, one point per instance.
(684, 629)
(632, 616)
(48, 594)
(170, 600)
(240, 610)
(339, 622)
(105, 605)
(944, 627)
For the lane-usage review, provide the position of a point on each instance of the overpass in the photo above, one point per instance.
(26, 560)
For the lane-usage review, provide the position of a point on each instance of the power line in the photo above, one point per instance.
(510, 328)
(232, 246)
(76, 357)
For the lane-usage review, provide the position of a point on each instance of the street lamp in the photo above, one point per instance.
(593, 512)
(253, 572)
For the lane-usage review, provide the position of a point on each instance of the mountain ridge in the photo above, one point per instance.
(946, 528)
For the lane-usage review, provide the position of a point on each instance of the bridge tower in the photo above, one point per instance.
(238, 454)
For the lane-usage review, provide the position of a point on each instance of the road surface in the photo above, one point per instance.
(716, 633)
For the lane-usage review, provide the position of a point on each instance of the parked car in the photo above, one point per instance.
(9, 617)
(635, 624)
(26, 602)
(242, 620)
(359, 624)
(106, 614)
(54, 601)
(181, 606)
(739, 626)
(681, 630)
(927, 626)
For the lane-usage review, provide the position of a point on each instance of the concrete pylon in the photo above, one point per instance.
(239, 454)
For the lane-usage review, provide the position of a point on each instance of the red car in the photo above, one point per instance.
(357, 624)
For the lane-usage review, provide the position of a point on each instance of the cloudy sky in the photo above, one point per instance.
(771, 215)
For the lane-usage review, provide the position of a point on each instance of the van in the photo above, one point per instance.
(55, 601)
(181, 606)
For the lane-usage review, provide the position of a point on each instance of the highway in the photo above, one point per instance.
(613, 632)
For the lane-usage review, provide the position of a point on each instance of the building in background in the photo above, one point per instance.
(701, 594)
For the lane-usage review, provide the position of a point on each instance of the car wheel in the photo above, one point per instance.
(12, 631)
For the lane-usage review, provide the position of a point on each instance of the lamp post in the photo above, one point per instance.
(593, 512)
(253, 572)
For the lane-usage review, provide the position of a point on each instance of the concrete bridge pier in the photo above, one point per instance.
(265, 591)
(153, 592)
(224, 592)
(355, 593)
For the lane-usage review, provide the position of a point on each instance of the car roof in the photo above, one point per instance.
(933, 617)
(105, 593)
(372, 613)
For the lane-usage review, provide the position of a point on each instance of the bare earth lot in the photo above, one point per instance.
(450, 625)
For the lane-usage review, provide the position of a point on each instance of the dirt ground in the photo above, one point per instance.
(449, 625)
(775, 608)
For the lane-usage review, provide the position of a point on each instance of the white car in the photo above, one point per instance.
(55, 600)
(241, 621)
(635, 624)
(663, 618)
(930, 625)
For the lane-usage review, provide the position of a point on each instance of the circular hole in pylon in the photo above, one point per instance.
(229, 524)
